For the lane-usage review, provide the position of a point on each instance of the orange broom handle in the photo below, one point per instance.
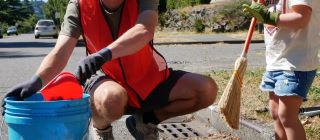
(249, 35)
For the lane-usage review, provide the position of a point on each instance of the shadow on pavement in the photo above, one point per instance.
(19, 55)
(32, 44)
(26, 44)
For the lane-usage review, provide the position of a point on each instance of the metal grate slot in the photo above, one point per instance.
(175, 135)
(185, 134)
(178, 130)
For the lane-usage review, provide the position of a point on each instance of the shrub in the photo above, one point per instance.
(231, 16)
(184, 15)
(27, 25)
(199, 25)
(163, 17)
(4, 27)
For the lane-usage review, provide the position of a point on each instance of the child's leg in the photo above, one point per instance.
(280, 133)
(288, 114)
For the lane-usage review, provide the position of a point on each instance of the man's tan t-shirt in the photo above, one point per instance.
(71, 25)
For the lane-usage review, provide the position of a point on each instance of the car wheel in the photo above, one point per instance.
(16, 33)
(8, 34)
(1, 36)
(36, 36)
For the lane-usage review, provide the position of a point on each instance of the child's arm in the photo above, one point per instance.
(298, 18)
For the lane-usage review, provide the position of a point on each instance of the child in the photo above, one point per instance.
(292, 38)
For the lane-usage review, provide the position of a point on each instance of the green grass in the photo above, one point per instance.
(313, 130)
(254, 102)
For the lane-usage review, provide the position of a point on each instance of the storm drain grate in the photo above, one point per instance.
(179, 130)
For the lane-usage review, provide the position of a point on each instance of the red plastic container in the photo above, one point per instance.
(65, 86)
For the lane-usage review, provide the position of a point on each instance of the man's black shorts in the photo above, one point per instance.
(158, 98)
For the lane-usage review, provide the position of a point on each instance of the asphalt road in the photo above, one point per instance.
(20, 56)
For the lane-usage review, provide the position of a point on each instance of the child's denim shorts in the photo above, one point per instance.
(288, 83)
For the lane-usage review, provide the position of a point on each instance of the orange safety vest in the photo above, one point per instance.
(138, 73)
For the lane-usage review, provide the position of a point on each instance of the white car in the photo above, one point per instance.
(45, 28)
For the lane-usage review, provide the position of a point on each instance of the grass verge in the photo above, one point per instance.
(166, 36)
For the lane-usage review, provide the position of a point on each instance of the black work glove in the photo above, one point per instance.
(91, 64)
(24, 90)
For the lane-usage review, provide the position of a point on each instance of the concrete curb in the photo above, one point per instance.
(208, 42)
(248, 129)
(82, 43)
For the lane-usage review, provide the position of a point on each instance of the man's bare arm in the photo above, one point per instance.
(137, 37)
(57, 59)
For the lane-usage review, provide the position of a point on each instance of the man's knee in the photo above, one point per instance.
(208, 91)
(115, 99)
(111, 101)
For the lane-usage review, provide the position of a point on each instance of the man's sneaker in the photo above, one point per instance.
(96, 134)
(141, 131)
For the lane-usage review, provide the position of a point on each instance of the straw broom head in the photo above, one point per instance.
(229, 103)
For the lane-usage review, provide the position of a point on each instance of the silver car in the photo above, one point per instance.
(45, 28)
(12, 30)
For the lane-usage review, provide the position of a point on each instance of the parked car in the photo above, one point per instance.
(45, 28)
(1, 36)
(12, 30)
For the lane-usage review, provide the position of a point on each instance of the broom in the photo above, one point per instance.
(230, 100)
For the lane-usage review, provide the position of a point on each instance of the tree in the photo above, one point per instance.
(12, 11)
(205, 1)
(162, 6)
(55, 7)
(16, 13)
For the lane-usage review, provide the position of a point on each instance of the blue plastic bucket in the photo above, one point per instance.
(35, 119)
